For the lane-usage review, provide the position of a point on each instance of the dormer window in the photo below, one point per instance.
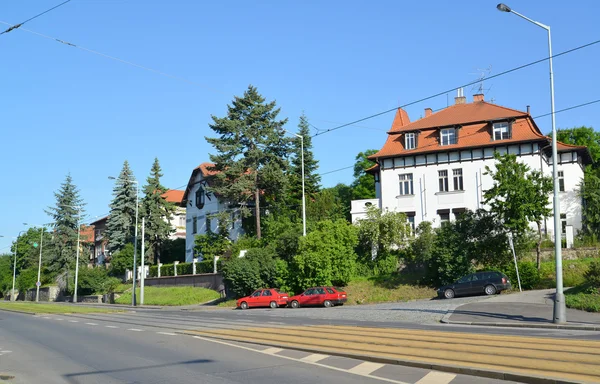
(200, 196)
(410, 141)
(501, 131)
(448, 136)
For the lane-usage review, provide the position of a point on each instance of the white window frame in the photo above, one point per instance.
(563, 224)
(448, 136)
(501, 131)
(194, 225)
(457, 179)
(410, 140)
(443, 181)
(406, 184)
(561, 181)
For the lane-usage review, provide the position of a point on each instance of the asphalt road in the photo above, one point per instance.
(143, 348)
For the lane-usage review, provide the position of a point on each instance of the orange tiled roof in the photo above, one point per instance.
(87, 233)
(174, 196)
(204, 168)
(473, 120)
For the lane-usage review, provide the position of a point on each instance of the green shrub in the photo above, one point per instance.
(185, 269)
(386, 264)
(122, 260)
(94, 281)
(26, 279)
(241, 276)
(530, 276)
(153, 271)
(167, 270)
(592, 275)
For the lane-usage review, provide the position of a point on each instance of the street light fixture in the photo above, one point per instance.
(38, 282)
(560, 312)
(137, 193)
(303, 194)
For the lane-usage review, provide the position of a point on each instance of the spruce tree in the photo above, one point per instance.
(157, 212)
(121, 221)
(311, 179)
(251, 153)
(363, 186)
(66, 216)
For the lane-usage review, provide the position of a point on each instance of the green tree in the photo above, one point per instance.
(283, 235)
(214, 243)
(173, 250)
(28, 248)
(518, 197)
(326, 255)
(6, 270)
(311, 179)
(122, 260)
(589, 190)
(382, 232)
(251, 153)
(330, 204)
(157, 212)
(66, 216)
(121, 220)
(581, 136)
(363, 186)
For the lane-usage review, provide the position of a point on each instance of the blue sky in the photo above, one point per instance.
(68, 110)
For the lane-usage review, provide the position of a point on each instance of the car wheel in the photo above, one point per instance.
(449, 293)
(328, 304)
(295, 304)
(244, 305)
(273, 304)
(490, 290)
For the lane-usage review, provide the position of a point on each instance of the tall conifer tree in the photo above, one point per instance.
(121, 221)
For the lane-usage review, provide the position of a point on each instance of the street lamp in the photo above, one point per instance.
(12, 295)
(137, 193)
(560, 312)
(303, 194)
(38, 282)
(78, 208)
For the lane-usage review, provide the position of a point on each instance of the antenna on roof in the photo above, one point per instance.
(482, 74)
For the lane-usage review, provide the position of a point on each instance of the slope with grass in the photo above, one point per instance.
(583, 297)
(386, 288)
(171, 296)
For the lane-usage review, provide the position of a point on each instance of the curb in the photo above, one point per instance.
(490, 374)
(446, 320)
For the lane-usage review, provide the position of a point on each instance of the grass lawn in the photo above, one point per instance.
(29, 307)
(171, 296)
(583, 297)
(573, 273)
(228, 303)
(389, 288)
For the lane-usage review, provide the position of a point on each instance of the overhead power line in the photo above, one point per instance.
(455, 88)
(15, 26)
(130, 63)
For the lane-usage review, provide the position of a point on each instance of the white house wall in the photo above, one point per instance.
(211, 206)
(427, 199)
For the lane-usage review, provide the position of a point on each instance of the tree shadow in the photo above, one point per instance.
(396, 279)
(75, 377)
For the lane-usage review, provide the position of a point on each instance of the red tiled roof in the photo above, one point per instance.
(86, 234)
(174, 196)
(474, 129)
(204, 168)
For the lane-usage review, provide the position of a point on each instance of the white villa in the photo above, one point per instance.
(433, 168)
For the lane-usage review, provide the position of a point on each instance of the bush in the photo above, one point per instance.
(185, 269)
(167, 270)
(95, 281)
(153, 271)
(241, 276)
(26, 279)
(592, 276)
(122, 260)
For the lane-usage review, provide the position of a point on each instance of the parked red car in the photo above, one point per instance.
(270, 297)
(325, 296)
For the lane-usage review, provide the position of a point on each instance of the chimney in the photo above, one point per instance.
(478, 97)
(528, 110)
(428, 112)
(460, 97)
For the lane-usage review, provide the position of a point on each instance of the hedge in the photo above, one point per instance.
(205, 266)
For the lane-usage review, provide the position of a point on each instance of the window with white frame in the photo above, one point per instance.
(411, 223)
(561, 181)
(182, 221)
(443, 180)
(194, 225)
(448, 136)
(406, 184)
(458, 179)
(501, 131)
(563, 223)
(410, 141)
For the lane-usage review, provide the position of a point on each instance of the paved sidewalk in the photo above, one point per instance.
(527, 309)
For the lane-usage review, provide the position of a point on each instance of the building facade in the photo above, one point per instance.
(434, 169)
(201, 206)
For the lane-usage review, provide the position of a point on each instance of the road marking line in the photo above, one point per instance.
(275, 322)
(272, 351)
(135, 329)
(435, 377)
(5, 351)
(91, 324)
(305, 362)
(167, 333)
(111, 326)
(73, 321)
(366, 368)
(314, 358)
(45, 317)
(59, 319)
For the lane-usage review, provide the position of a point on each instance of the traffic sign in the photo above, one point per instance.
(35, 245)
(38, 284)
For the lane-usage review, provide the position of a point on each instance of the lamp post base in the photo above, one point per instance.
(560, 309)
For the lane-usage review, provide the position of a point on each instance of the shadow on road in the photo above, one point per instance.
(74, 377)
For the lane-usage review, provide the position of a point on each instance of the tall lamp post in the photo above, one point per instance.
(303, 194)
(12, 295)
(560, 312)
(137, 193)
(38, 282)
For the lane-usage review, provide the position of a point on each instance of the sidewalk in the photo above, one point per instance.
(532, 309)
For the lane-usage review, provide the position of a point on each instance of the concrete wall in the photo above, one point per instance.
(207, 280)
(46, 294)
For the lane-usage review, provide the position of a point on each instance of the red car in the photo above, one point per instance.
(270, 297)
(325, 296)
